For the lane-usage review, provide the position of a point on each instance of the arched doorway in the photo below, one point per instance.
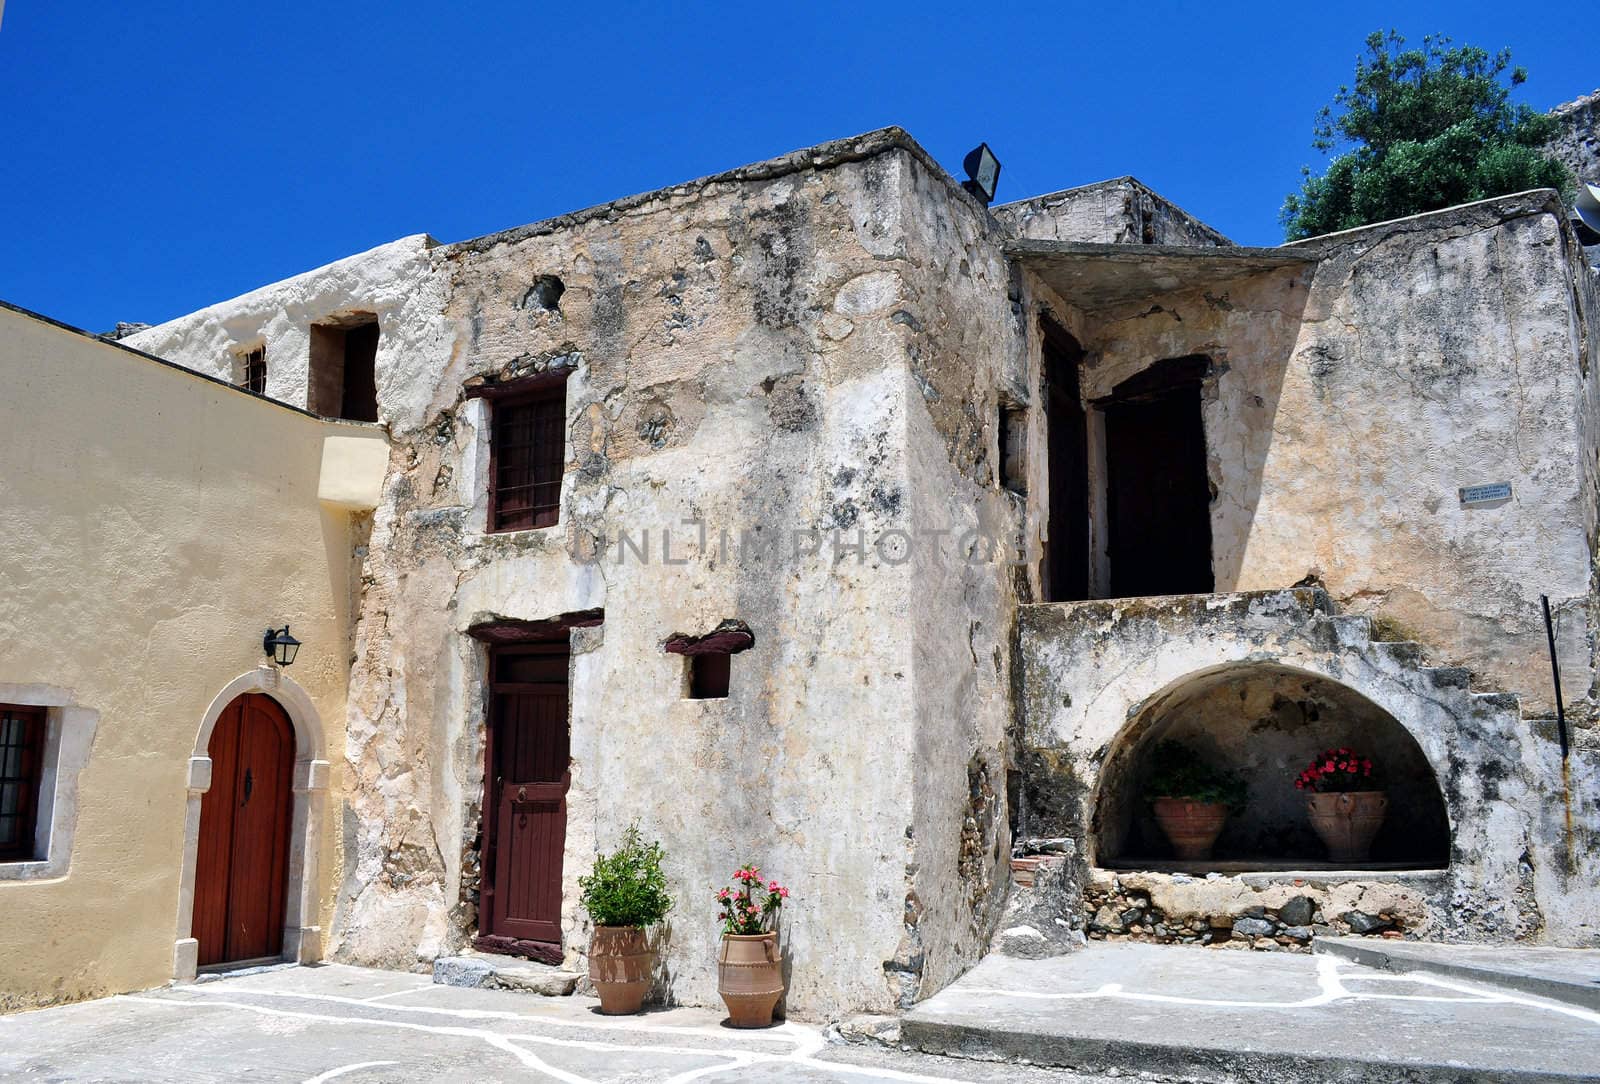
(242, 861)
(1264, 722)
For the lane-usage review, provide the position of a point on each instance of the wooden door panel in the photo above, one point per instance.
(209, 925)
(257, 878)
(526, 779)
(533, 831)
(241, 866)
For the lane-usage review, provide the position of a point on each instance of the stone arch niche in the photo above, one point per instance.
(1265, 721)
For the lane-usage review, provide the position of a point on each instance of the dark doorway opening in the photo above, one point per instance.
(1158, 495)
(242, 863)
(1066, 564)
(343, 378)
(526, 777)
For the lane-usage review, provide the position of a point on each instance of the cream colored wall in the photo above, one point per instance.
(155, 524)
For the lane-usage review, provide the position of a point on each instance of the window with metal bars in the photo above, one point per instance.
(253, 370)
(21, 760)
(527, 442)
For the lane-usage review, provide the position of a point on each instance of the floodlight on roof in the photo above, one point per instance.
(1588, 205)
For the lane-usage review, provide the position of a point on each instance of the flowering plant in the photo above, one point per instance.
(750, 905)
(1336, 771)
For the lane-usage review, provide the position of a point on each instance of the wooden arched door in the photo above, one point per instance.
(242, 866)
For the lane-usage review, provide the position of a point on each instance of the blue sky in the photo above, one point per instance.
(161, 156)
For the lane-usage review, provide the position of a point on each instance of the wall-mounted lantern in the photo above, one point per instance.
(280, 646)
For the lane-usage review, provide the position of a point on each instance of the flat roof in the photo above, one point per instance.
(1098, 276)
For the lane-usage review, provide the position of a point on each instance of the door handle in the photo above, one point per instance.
(522, 794)
(249, 785)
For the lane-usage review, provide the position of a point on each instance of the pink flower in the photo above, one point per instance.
(783, 893)
(723, 894)
(772, 886)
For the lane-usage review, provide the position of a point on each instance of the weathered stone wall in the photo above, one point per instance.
(1349, 404)
(710, 388)
(963, 352)
(1120, 211)
(752, 359)
(1096, 674)
(1577, 146)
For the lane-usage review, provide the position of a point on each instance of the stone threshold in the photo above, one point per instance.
(487, 971)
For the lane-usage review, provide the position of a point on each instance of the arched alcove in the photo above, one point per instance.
(1266, 722)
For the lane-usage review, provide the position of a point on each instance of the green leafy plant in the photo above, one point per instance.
(1176, 772)
(1425, 128)
(627, 887)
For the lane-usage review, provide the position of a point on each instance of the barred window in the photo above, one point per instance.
(527, 440)
(22, 732)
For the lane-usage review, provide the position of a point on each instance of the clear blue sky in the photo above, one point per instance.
(161, 156)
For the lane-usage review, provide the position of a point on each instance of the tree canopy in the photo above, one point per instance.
(1422, 129)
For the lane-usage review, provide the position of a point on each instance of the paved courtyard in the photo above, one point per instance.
(359, 1026)
(1124, 1010)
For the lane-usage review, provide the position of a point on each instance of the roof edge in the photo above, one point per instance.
(1531, 201)
(827, 155)
(184, 369)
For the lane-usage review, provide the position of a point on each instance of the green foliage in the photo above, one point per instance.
(627, 888)
(1426, 128)
(1176, 772)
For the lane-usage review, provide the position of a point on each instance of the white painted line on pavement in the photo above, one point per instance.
(322, 1078)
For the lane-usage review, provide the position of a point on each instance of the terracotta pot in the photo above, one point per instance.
(1346, 823)
(1191, 827)
(750, 978)
(621, 966)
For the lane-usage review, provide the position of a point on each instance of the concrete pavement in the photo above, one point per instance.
(312, 1025)
(1197, 1013)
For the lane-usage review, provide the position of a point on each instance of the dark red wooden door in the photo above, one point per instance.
(241, 869)
(527, 800)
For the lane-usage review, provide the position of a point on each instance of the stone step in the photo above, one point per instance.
(1408, 652)
(1449, 677)
(487, 972)
(1560, 974)
(1199, 1014)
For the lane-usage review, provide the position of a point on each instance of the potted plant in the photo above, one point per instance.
(625, 892)
(749, 968)
(1190, 799)
(1345, 804)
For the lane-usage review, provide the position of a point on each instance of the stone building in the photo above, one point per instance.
(815, 514)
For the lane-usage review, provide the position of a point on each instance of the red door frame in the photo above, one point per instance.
(498, 635)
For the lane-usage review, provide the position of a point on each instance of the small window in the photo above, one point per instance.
(343, 379)
(252, 370)
(527, 450)
(1014, 448)
(21, 757)
(709, 674)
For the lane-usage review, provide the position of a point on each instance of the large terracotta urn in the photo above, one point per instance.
(1191, 827)
(1346, 823)
(621, 966)
(750, 977)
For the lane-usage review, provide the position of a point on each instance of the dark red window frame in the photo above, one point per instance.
(527, 450)
(255, 371)
(22, 734)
